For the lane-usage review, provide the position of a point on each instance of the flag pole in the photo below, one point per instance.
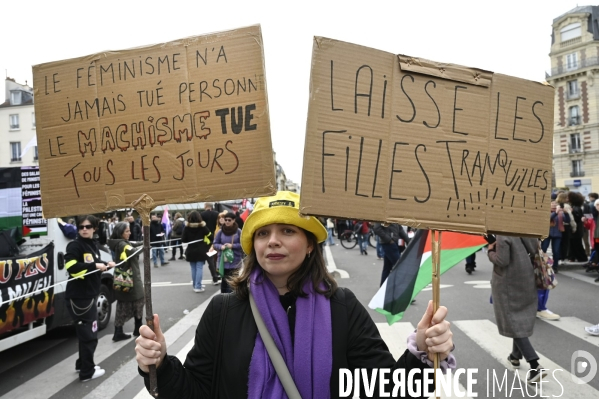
(436, 258)
(144, 206)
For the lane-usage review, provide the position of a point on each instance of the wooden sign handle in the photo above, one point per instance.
(144, 206)
(436, 259)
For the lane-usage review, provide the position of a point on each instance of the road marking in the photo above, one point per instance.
(587, 279)
(331, 266)
(112, 385)
(485, 334)
(62, 374)
(574, 326)
(480, 282)
(430, 287)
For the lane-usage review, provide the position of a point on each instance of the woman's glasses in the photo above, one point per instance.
(228, 220)
(85, 227)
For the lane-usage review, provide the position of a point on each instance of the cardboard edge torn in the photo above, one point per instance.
(473, 76)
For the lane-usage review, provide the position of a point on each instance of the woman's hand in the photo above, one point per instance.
(101, 266)
(111, 264)
(433, 334)
(491, 247)
(150, 346)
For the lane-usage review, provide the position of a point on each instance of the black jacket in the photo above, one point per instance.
(196, 252)
(391, 233)
(155, 229)
(211, 218)
(135, 231)
(81, 257)
(356, 344)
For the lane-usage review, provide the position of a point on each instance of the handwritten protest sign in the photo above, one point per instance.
(439, 146)
(183, 121)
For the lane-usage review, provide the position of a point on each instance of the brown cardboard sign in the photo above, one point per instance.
(183, 121)
(431, 145)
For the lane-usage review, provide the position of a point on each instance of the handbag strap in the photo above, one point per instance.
(275, 356)
(219, 345)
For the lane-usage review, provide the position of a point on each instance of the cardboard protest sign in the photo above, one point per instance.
(431, 145)
(182, 121)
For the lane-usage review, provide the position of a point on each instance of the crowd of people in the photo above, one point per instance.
(275, 253)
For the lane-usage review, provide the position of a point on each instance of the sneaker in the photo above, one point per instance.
(469, 268)
(165, 263)
(97, 374)
(217, 282)
(514, 362)
(365, 253)
(547, 315)
(199, 290)
(593, 330)
(181, 257)
(534, 375)
(155, 265)
(96, 367)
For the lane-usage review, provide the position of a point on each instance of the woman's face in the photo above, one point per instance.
(281, 249)
(221, 220)
(229, 221)
(126, 233)
(85, 229)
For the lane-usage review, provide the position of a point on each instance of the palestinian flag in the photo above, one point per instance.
(413, 271)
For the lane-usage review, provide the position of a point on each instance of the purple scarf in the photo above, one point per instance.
(309, 358)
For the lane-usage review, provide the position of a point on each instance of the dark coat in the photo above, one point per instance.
(211, 218)
(135, 231)
(356, 344)
(390, 233)
(513, 286)
(124, 249)
(81, 257)
(155, 229)
(196, 252)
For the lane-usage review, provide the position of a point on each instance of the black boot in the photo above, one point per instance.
(119, 335)
(137, 325)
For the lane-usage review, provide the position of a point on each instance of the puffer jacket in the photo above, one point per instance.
(196, 252)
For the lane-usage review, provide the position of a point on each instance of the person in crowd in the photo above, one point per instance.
(389, 235)
(176, 234)
(561, 201)
(594, 261)
(330, 231)
(135, 229)
(361, 228)
(471, 263)
(380, 252)
(199, 235)
(69, 230)
(157, 233)
(318, 327)
(85, 266)
(342, 227)
(577, 252)
(229, 236)
(129, 304)
(210, 217)
(238, 218)
(556, 225)
(515, 298)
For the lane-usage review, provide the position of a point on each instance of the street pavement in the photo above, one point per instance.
(44, 368)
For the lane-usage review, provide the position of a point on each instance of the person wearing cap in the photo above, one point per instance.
(228, 236)
(317, 327)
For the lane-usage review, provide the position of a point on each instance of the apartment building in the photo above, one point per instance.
(17, 126)
(574, 64)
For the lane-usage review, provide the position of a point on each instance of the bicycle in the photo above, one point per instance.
(349, 239)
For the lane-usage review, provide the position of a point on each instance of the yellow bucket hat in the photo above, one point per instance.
(281, 208)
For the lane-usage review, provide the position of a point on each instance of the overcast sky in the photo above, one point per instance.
(510, 37)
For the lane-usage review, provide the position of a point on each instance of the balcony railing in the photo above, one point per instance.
(578, 173)
(573, 95)
(587, 62)
(570, 42)
(574, 149)
(574, 120)
(15, 159)
(14, 126)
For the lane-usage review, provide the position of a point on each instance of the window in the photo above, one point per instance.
(572, 86)
(577, 168)
(15, 152)
(14, 121)
(570, 31)
(35, 156)
(33, 119)
(15, 97)
(575, 142)
(574, 118)
(571, 61)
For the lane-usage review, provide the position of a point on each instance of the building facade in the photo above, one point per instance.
(17, 127)
(574, 67)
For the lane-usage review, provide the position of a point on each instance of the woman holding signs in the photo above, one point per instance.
(286, 292)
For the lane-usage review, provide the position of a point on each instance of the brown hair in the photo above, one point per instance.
(312, 267)
(575, 199)
(562, 198)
